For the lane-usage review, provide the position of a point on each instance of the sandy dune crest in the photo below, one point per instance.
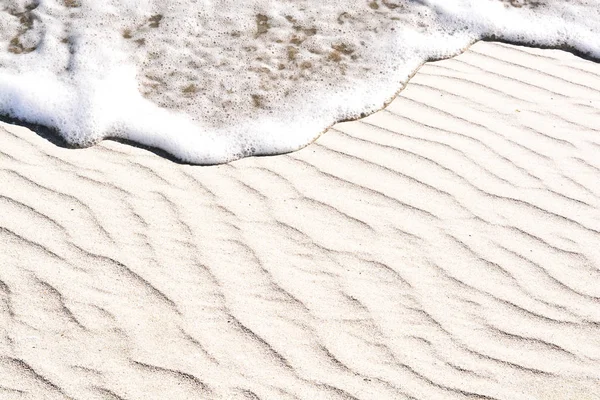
(444, 248)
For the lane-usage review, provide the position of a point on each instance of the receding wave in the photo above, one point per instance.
(213, 81)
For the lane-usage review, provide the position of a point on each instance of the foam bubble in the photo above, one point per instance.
(211, 81)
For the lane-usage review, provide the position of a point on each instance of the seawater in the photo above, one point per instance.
(212, 81)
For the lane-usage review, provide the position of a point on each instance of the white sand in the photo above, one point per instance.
(445, 248)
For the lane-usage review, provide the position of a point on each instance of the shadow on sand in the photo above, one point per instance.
(52, 136)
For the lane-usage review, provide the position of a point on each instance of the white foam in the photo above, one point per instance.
(212, 81)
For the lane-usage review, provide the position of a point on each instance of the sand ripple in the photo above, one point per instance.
(446, 247)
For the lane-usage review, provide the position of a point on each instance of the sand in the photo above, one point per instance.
(446, 247)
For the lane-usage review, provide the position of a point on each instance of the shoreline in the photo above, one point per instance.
(55, 137)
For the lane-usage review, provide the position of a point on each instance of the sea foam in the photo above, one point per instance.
(211, 81)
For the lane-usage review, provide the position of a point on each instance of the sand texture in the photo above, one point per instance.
(447, 247)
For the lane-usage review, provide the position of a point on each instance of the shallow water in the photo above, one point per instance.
(213, 81)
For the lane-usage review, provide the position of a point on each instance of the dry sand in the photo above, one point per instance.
(447, 247)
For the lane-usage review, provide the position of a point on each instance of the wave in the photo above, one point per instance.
(215, 81)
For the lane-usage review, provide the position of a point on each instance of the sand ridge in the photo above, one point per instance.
(443, 248)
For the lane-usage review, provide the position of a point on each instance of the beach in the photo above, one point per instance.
(445, 247)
